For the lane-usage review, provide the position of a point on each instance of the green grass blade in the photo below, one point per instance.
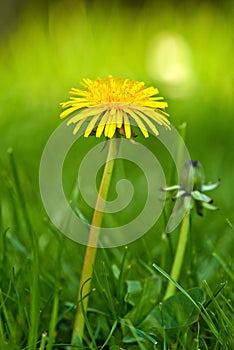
(43, 341)
(53, 321)
(135, 334)
(165, 274)
(93, 345)
(35, 300)
(110, 334)
(9, 321)
(224, 319)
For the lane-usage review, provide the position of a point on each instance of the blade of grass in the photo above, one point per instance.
(110, 334)
(93, 345)
(53, 321)
(122, 278)
(55, 308)
(215, 293)
(223, 317)
(43, 341)
(8, 321)
(2, 333)
(134, 333)
(164, 330)
(3, 249)
(205, 315)
(20, 302)
(108, 292)
(224, 265)
(35, 301)
(197, 339)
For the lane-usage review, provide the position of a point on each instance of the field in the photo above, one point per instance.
(186, 51)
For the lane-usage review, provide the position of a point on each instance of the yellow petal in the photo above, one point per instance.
(119, 118)
(106, 130)
(158, 117)
(113, 112)
(91, 125)
(68, 111)
(88, 112)
(112, 126)
(148, 121)
(108, 124)
(151, 91)
(78, 125)
(112, 123)
(102, 123)
(156, 98)
(127, 127)
(138, 121)
(75, 119)
(111, 130)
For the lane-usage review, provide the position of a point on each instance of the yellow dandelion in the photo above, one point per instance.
(112, 105)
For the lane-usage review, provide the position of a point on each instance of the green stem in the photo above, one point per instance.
(179, 256)
(87, 271)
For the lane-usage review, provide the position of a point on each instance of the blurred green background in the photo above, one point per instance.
(184, 48)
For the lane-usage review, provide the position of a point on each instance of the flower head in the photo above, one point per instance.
(111, 105)
(195, 170)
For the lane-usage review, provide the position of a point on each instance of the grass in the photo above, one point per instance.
(50, 51)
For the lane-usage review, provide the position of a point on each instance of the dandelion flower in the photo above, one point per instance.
(112, 105)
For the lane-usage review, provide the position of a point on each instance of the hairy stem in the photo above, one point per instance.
(87, 270)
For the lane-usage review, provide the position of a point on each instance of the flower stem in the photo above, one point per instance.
(87, 270)
(179, 256)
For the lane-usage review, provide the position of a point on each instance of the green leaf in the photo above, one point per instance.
(116, 271)
(133, 335)
(143, 298)
(175, 312)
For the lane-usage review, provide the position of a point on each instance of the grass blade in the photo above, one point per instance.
(35, 302)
